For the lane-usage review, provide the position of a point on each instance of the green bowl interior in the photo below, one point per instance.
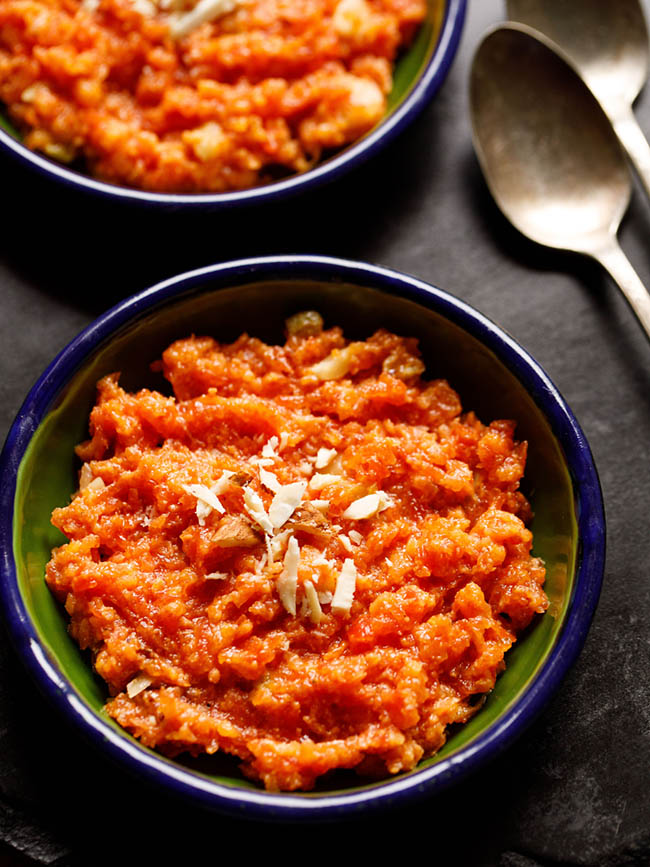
(414, 58)
(48, 471)
(408, 67)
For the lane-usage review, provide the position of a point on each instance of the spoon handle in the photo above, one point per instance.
(614, 261)
(632, 138)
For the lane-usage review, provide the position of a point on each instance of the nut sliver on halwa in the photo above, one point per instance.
(307, 571)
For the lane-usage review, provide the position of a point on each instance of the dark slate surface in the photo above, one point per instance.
(574, 789)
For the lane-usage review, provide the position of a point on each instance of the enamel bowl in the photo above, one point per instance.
(494, 376)
(418, 74)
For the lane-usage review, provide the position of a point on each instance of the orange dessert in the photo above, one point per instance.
(308, 557)
(207, 96)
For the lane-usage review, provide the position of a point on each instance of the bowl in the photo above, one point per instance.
(493, 375)
(419, 72)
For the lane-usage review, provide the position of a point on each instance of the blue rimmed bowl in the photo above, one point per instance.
(494, 376)
(419, 72)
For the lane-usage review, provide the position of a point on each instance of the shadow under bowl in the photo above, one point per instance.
(419, 72)
(494, 376)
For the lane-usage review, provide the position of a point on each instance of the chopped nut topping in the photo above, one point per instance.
(137, 685)
(270, 480)
(335, 366)
(240, 479)
(224, 481)
(269, 448)
(255, 508)
(275, 545)
(324, 457)
(345, 587)
(321, 480)
(285, 502)
(85, 476)
(308, 519)
(206, 501)
(205, 10)
(235, 532)
(312, 603)
(347, 544)
(367, 506)
(288, 580)
(216, 576)
(321, 505)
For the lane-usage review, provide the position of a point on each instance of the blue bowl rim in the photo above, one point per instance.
(517, 717)
(421, 93)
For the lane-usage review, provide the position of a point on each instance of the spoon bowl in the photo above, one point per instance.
(608, 44)
(546, 147)
(549, 154)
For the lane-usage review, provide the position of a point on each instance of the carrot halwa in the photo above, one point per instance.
(175, 95)
(308, 557)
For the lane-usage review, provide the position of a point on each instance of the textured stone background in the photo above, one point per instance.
(574, 789)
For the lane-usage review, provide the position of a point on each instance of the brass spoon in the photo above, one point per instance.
(607, 41)
(549, 154)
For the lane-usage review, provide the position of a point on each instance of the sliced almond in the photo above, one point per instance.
(367, 506)
(313, 603)
(285, 502)
(206, 501)
(321, 505)
(345, 587)
(321, 480)
(287, 582)
(205, 10)
(263, 462)
(85, 476)
(255, 508)
(324, 457)
(345, 541)
(275, 545)
(270, 480)
(216, 576)
(224, 481)
(268, 451)
(137, 685)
